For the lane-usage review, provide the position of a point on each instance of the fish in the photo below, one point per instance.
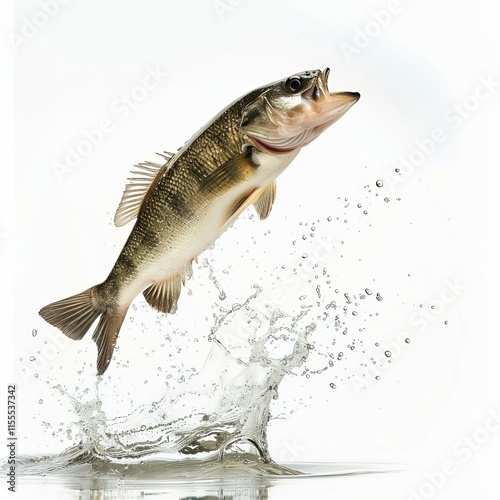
(182, 205)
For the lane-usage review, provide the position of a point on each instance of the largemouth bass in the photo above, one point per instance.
(183, 205)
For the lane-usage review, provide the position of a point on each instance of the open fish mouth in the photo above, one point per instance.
(325, 107)
(287, 122)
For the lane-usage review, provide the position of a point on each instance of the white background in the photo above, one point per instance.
(58, 238)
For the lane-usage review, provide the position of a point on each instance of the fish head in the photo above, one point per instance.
(291, 113)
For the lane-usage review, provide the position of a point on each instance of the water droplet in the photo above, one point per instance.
(304, 237)
(40, 401)
(388, 354)
(333, 386)
(377, 344)
(34, 332)
(354, 313)
(365, 211)
(143, 427)
(407, 340)
(379, 297)
(32, 358)
(359, 205)
(446, 322)
(304, 256)
(368, 291)
(379, 183)
(329, 218)
(377, 377)
(387, 200)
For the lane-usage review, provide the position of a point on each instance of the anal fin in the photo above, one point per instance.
(163, 295)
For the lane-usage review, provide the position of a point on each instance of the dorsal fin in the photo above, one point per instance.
(137, 188)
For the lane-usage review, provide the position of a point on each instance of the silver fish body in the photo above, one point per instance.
(183, 205)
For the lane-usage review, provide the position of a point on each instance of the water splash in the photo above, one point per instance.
(220, 413)
(226, 404)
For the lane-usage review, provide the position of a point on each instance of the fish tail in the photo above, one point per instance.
(76, 314)
(105, 336)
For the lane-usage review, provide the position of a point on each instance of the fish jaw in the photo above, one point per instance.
(280, 123)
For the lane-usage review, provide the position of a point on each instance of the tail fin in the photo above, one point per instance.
(105, 336)
(75, 315)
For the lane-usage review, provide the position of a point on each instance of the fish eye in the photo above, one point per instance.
(293, 84)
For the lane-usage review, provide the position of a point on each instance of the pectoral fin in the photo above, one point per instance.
(230, 173)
